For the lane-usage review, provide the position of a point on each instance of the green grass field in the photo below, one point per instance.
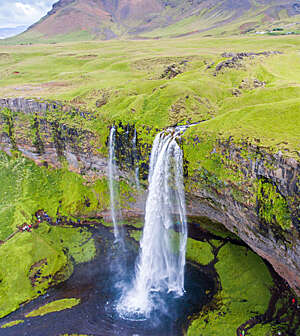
(128, 74)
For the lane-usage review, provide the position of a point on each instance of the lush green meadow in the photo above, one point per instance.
(125, 77)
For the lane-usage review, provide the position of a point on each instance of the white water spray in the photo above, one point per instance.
(160, 266)
(112, 175)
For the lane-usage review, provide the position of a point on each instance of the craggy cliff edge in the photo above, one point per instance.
(255, 194)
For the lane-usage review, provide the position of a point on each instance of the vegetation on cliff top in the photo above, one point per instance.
(254, 98)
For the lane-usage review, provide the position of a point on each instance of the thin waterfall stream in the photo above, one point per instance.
(161, 262)
(113, 188)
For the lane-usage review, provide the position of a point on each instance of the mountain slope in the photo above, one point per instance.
(103, 19)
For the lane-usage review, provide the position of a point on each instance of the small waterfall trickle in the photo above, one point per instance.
(135, 160)
(113, 186)
(161, 262)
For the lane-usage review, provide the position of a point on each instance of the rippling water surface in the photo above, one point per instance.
(99, 285)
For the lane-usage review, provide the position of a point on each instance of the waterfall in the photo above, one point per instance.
(135, 160)
(113, 187)
(161, 262)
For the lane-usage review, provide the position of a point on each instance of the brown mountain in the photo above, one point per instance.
(107, 19)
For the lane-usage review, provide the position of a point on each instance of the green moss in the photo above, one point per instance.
(246, 284)
(261, 330)
(200, 252)
(17, 257)
(216, 243)
(7, 125)
(54, 306)
(12, 324)
(77, 241)
(273, 207)
(136, 224)
(26, 188)
(136, 235)
(107, 224)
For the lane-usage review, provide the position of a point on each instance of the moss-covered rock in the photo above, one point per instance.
(272, 206)
(17, 256)
(199, 252)
(11, 324)
(30, 262)
(54, 306)
(245, 282)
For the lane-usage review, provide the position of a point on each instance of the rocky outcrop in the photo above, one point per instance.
(235, 59)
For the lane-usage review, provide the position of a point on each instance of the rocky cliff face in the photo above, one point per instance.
(40, 135)
(260, 204)
(254, 193)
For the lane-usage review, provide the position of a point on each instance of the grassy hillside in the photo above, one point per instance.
(258, 97)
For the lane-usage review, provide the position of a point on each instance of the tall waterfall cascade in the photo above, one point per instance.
(161, 262)
(113, 186)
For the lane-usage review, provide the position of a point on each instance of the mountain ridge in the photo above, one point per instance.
(104, 20)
